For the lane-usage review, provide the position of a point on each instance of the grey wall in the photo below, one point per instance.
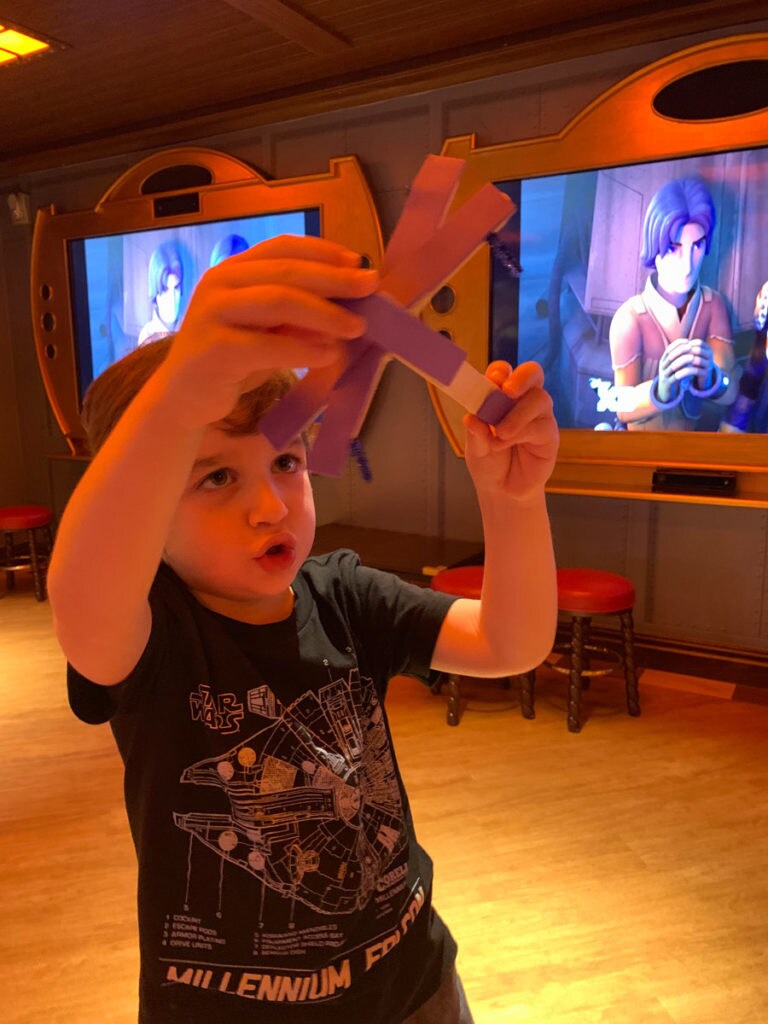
(700, 571)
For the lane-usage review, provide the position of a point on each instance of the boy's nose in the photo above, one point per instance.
(265, 505)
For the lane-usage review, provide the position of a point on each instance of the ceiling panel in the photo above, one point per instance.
(142, 73)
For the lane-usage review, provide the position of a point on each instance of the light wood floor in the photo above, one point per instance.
(619, 875)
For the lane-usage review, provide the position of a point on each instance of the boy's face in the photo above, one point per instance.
(244, 525)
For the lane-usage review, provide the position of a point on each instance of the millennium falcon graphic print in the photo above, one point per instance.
(310, 802)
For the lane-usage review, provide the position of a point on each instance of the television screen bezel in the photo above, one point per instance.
(173, 188)
(620, 463)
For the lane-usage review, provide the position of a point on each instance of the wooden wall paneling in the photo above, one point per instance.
(395, 440)
(763, 634)
(636, 561)
(304, 149)
(395, 139)
(37, 426)
(461, 515)
(590, 532)
(708, 574)
(496, 115)
(12, 469)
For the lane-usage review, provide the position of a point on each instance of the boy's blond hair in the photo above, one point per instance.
(111, 393)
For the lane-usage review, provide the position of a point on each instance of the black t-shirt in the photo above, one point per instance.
(279, 874)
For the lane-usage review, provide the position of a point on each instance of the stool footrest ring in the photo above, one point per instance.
(565, 669)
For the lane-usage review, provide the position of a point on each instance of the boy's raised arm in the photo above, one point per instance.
(511, 628)
(264, 309)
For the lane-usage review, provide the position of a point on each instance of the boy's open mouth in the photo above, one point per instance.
(277, 557)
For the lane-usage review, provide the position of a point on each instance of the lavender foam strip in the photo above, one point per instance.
(297, 409)
(330, 451)
(402, 335)
(495, 408)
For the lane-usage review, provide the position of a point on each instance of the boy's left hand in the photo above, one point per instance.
(517, 456)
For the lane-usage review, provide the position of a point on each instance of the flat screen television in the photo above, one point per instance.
(108, 279)
(116, 281)
(575, 243)
(551, 283)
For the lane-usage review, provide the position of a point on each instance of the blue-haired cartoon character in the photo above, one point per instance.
(165, 282)
(229, 245)
(672, 345)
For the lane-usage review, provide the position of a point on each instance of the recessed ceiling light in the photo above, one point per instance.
(16, 44)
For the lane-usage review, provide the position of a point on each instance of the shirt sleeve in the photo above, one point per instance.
(394, 622)
(96, 704)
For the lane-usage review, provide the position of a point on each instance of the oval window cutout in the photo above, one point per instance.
(726, 90)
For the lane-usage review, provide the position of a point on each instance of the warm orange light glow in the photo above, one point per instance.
(18, 44)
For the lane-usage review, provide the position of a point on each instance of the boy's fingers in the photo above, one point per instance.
(526, 377)
(288, 348)
(305, 247)
(270, 305)
(515, 382)
(530, 408)
(320, 278)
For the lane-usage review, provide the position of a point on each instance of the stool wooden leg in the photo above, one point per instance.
(9, 560)
(451, 683)
(37, 571)
(586, 664)
(577, 663)
(527, 690)
(454, 694)
(630, 672)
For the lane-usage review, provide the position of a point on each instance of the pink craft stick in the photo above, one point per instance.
(422, 271)
(430, 195)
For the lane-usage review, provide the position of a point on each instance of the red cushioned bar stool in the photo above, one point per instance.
(583, 594)
(26, 554)
(467, 581)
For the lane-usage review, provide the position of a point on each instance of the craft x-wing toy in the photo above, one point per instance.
(424, 251)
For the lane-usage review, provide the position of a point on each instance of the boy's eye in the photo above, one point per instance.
(288, 462)
(218, 478)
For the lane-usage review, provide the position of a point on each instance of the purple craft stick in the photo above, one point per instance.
(352, 393)
(298, 408)
(421, 272)
(495, 407)
(399, 334)
(432, 191)
(364, 353)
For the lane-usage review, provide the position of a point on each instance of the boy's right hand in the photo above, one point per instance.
(264, 309)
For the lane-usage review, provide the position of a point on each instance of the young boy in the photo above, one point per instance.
(279, 875)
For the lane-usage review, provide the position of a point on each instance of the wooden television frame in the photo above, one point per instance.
(164, 191)
(620, 127)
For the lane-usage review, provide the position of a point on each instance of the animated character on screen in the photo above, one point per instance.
(165, 282)
(229, 245)
(672, 345)
(750, 410)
